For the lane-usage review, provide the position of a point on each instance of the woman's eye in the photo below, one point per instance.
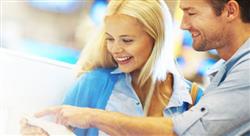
(127, 40)
(109, 39)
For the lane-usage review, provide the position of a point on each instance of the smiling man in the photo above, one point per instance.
(224, 109)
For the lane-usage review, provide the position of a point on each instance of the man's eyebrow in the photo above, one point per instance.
(187, 8)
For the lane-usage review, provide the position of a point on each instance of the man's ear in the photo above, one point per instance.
(231, 10)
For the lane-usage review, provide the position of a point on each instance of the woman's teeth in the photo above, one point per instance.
(123, 58)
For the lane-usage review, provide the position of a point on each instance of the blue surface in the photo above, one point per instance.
(187, 39)
(213, 52)
(55, 52)
(205, 65)
(98, 10)
(60, 6)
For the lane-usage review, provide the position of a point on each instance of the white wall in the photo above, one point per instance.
(27, 84)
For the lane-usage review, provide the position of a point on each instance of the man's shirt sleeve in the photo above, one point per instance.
(222, 110)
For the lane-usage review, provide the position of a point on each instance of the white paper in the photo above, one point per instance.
(51, 128)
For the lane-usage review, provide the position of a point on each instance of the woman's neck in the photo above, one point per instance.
(135, 76)
(141, 91)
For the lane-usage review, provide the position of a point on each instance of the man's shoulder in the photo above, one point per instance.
(239, 67)
(243, 63)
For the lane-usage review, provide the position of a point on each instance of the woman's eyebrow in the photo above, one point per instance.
(108, 34)
(126, 35)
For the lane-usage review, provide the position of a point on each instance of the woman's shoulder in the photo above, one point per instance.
(181, 82)
(102, 71)
(97, 73)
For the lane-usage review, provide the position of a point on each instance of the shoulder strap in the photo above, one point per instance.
(193, 92)
(231, 63)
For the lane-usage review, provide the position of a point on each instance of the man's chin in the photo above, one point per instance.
(199, 47)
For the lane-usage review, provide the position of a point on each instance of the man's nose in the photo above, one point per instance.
(185, 24)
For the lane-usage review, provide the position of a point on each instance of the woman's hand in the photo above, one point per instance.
(30, 130)
(69, 115)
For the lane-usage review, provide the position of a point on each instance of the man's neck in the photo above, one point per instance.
(236, 39)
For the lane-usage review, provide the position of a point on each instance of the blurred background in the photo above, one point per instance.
(59, 29)
(40, 42)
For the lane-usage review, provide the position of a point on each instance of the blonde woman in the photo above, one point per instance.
(129, 81)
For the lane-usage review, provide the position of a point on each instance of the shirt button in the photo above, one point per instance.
(203, 109)
(137, 103)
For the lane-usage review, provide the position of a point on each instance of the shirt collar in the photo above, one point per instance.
(243, 49)
(211, 72)
(116, 71)
(180, 91)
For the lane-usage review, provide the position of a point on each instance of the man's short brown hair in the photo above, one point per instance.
(218, 6)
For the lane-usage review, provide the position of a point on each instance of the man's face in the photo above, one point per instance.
(207, 29)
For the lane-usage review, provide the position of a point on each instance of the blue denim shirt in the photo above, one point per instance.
(125, 100)
(97, 88)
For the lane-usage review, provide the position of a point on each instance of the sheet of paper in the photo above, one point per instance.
(51, 128)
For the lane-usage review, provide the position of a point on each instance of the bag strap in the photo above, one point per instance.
(194, 92)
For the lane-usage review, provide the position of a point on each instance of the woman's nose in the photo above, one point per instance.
(116, 48)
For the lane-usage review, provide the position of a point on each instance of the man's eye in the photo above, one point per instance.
(191, 14)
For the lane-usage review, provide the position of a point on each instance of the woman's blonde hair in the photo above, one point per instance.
(156, 19)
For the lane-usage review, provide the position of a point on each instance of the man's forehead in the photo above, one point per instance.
(192, 4)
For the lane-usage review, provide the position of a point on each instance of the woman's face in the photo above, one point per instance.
(127, 42)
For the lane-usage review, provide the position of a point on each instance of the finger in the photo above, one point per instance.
(23, 122)
(48, 111)
(59, 117)
(64, 122)
(71, 128)
(31, 130)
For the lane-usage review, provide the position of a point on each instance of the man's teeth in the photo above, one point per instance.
(195, 35)
(123, 58)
